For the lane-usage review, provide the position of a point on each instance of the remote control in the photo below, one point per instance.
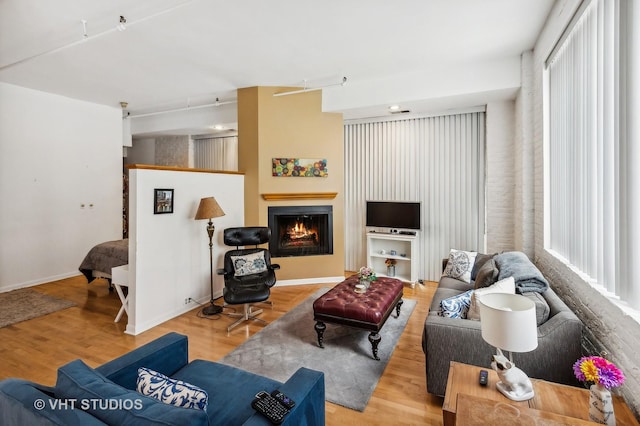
(284, 399)
(269, 407)
(484, 377)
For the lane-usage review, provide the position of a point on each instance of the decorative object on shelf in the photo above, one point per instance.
(603, 375)
(508, 322)
(162, 201)
(391, 267)
(393, 252)
(299, 167)
(208, 209)
(367, 275)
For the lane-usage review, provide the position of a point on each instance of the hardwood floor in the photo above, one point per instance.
(35, 349)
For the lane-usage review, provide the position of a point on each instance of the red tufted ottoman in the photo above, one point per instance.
(367, 311)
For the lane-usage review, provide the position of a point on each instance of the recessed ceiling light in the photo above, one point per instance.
(394, 107)
(218, 127)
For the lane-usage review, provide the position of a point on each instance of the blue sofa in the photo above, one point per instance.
(106, 394)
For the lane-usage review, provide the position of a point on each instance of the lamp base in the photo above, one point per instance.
(212, 310)
(506, 391)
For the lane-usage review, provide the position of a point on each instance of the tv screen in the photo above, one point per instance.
(393, 214)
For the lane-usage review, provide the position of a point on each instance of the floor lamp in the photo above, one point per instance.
(208, 209)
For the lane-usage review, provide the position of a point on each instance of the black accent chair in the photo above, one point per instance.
(247, 277)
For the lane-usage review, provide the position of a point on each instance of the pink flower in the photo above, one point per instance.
(598, 370)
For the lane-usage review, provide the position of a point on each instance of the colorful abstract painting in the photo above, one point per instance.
(299, 167)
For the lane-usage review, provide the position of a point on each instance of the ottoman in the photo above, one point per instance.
(366, 311)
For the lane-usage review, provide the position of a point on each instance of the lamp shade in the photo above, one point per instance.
(209, 208)
(508, 322)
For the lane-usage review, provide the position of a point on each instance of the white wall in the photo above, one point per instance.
(169, 253)
(500, 177)
(56, 154)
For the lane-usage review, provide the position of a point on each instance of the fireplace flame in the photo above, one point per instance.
(298, 231)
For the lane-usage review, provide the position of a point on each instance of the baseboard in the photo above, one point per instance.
(306, 281)
(39, 281)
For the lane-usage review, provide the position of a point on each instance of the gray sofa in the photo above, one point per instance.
(453, 339)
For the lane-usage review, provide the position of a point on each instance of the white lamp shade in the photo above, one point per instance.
(508, 322)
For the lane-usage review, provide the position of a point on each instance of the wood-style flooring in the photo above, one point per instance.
(34, 349)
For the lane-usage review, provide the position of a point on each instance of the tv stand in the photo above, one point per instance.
(403, 244)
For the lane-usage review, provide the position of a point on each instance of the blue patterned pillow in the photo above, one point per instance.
(249, 264)
(171, 391)
(456, 306)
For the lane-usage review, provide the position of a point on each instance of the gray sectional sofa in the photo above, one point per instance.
(454, 339)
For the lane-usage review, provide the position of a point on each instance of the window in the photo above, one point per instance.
(592, 190)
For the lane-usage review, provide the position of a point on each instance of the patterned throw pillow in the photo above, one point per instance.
(249, 264)
(171, 391)
(507, 285)
(456, 306)
(460, 264)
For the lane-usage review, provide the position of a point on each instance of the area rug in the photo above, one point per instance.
(290, 342)
(24, 304)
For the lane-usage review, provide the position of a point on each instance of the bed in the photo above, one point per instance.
(104, 256)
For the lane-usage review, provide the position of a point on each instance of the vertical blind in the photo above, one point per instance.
(216, 153)
(585, 146)
(438, 161)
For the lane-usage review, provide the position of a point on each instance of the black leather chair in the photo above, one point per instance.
(248, 272)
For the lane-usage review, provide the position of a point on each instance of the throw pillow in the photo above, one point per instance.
(456, 306)
(542, 307)
(487, 275)
(249, 264)
(171, 391)
(460, 264)
(78, 381)
(507, 285)
(481, 259)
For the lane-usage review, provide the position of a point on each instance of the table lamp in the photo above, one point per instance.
(508, 322)
(208, 209)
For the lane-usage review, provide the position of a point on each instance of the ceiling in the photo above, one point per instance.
(183, 53)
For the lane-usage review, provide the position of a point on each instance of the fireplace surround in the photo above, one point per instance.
(300, 230)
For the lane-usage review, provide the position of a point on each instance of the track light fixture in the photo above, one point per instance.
(121, 25)
(313, 89)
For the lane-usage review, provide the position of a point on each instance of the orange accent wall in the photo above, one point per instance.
(291, 126)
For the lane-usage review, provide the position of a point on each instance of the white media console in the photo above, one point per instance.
(379, 248)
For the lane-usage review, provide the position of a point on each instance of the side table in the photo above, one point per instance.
(549, 397)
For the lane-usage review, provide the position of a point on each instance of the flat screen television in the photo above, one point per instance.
(393, 214)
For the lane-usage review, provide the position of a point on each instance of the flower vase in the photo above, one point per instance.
(391, 271)
(365, 282)
(601, 405)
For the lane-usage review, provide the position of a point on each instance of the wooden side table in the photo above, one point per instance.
(475, 411)
(549, 397)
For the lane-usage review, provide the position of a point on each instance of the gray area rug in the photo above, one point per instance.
(24, 304)
(351, 373)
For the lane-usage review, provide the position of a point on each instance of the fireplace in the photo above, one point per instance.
(301, 231)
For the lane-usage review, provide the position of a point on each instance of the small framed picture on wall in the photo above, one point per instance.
(162, 201)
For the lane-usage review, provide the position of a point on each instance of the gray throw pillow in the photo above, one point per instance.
(487, 275)
(542, 307)
(481, 259)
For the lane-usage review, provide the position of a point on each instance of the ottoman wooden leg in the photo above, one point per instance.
(320, 328)
(375, 338)
(400, 302)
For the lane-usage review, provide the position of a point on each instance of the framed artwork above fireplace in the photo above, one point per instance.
(299, 167)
